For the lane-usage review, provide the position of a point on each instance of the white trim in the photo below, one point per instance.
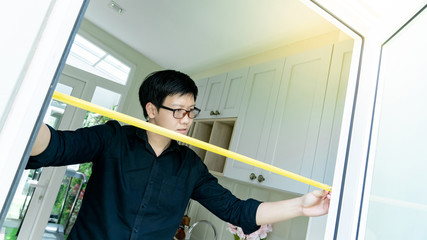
(343, 139)
(355, 169)
(346, 118)
(361, 142)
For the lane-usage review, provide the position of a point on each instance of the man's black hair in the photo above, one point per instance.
(158, 85)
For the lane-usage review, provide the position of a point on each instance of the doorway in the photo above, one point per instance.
(44, 202)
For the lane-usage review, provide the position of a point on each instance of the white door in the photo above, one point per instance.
(395, 200)
(383, 195)
(77, 83)
(31, 55)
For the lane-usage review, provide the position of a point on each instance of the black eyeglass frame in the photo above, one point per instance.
(187, 112)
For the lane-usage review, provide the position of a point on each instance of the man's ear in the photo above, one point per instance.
(151, 110)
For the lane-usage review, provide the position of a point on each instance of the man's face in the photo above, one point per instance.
(164, 117)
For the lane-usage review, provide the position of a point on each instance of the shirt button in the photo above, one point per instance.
(135, 230)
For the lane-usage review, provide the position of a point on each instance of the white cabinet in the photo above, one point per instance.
(291, 116)
(212, 97)
(252, 128)
(326, 153)
(201, 86)
(222, 96)
(294, 135)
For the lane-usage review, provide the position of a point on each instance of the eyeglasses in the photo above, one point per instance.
(180, 113)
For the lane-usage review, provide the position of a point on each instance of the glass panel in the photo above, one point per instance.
(56, 109)
(84, 54)
(115, 68)
(68, 200)
(19, 204)
(105, 98)
(82, 42)
(398, 200)
(88, 57)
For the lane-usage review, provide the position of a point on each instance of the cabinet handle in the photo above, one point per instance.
(212, 113)
(261, 178)
(252, 176)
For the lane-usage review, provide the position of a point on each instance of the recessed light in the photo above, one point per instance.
(113, 5)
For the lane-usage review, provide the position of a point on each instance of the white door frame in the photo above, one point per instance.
(54, 24)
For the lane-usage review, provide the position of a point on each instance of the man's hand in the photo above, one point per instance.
(315, 203)
(312, 204)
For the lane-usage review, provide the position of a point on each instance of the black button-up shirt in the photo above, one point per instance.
(134, 194)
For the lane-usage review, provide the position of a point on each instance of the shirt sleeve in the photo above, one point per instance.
(74, 147)
(221, 202)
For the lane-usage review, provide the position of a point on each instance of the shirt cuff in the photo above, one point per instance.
(250, 226)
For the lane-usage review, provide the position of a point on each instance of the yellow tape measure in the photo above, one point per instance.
(182, 138)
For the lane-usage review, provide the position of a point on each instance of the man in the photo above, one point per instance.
(142, 181)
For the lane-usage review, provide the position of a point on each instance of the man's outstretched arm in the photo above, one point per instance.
(312, 204)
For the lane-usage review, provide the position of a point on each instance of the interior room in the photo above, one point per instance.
(278, 82)
(233, 42)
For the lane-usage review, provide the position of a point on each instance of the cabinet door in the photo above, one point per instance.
(326, 153)
(232, 94)
(298, 113)
(255, 118)
(201, 85)
(212, 96)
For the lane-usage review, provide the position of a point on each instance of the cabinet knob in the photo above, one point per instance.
(252, 176)
(217, 112)
(261, 178)
(212, 113)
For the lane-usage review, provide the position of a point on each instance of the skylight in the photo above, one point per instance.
(89, 57)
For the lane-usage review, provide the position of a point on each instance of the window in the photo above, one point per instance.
(91, 58)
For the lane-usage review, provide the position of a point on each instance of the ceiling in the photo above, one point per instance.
(194, 35)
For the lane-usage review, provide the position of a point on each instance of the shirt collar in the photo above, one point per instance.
(142, 134)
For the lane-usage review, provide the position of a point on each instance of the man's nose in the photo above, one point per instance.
(186, 118)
